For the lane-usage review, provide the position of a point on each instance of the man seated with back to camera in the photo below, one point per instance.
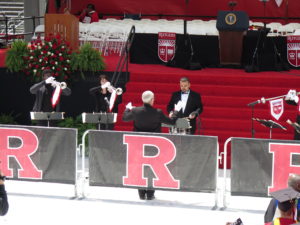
(43, 92)
(102, 95)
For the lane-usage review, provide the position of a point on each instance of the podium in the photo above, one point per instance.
(66, 25)
(232, 26)
(181, 126)
(99, 118)
(47, 116)
(269, 123)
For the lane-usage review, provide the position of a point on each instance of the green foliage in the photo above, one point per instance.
(87, 59)
(7, 119)
(69, 122)
(15, 58)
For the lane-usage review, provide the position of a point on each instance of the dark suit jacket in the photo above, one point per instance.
(194, 105)
(39, 90)
(3, 201)
(101, 105)
(147, 119)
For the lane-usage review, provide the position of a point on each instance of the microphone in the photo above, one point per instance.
(262, 100)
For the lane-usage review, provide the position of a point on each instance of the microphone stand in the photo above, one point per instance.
(252, 104)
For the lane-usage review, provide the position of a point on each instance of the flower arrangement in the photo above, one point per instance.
(53, 53)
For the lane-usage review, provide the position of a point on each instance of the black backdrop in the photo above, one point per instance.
(15, 98)
(206, 50)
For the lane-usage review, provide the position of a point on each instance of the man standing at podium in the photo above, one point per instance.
(190, 101)
(46, 99)
(102, 95)
(147, 119)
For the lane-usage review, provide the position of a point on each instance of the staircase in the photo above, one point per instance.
(225, 95)
(12, 10)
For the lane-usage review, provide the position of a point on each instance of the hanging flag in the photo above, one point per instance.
(278, 2)
(166, 46)
(276, 107)
(293, 50)
(56, 96)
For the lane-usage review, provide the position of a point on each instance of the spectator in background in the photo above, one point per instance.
(3, 196)
(272, 210)
(89, 14)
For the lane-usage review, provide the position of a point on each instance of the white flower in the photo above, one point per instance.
(43, 68)
(56, 63)
(31, 57)
(60, 54)
(68, 60)
(34, 71)
(53, 67)
(39, 47)
(49, 53)
(40, 60)
(63, 47)
(65, 68)
(31, 50)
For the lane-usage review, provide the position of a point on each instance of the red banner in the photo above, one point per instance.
(166, 46)
(293, 50)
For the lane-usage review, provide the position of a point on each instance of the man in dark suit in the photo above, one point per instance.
(190, 101)
(147, 119)
(102, 95)
(43, 92)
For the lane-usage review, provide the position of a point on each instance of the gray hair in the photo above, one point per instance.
(147, 96)
(294, 181)
(184, 79)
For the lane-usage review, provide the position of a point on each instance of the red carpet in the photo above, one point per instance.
(225, 95)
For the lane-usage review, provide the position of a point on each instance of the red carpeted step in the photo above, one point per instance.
(221, 77)
(217, 90)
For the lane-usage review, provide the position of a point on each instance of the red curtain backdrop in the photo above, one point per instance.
(254, 8)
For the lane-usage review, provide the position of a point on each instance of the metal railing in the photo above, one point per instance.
(10, 25)
(124, 58)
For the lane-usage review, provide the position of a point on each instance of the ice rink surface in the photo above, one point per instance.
(36, 203)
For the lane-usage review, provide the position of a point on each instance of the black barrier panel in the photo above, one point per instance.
(252, 165)
(148, 160)
(38, 153)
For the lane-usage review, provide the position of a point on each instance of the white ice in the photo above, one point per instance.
(37, 203)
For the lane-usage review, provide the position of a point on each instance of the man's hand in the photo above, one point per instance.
(49, 80)
(192, 115)
(178, 106)
(129, 106)
(292, 96)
